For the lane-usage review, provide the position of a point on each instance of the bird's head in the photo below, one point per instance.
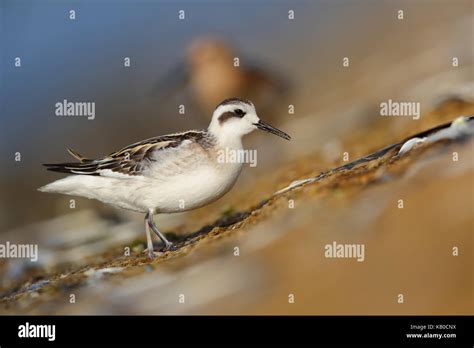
(237, 117)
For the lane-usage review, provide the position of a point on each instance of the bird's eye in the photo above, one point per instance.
(239, 112)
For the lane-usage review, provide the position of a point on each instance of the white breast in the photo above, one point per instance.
(193, 189)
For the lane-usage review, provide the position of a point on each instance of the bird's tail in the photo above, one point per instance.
(55, 186)
(67, 185)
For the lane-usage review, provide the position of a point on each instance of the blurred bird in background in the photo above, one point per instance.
(213, 70)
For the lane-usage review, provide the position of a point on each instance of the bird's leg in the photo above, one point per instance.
(151, 223)
(149, 240)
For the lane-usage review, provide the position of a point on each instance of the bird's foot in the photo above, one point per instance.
(167, 246)
(152, 254)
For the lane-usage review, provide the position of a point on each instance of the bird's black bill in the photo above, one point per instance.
(270, 129)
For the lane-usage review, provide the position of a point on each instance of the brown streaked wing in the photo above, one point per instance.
(130, 160)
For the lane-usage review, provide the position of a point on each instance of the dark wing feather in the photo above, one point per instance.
(130, 160)
(77, 155)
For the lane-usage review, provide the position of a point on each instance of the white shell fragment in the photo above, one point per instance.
(410, 144)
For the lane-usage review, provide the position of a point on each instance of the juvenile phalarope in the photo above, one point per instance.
(168, 173)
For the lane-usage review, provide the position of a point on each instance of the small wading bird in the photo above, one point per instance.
(168, 173)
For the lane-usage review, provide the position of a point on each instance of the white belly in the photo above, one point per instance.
(189, 191)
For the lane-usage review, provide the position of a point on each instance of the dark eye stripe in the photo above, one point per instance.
(229, 114)
(225, 116)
